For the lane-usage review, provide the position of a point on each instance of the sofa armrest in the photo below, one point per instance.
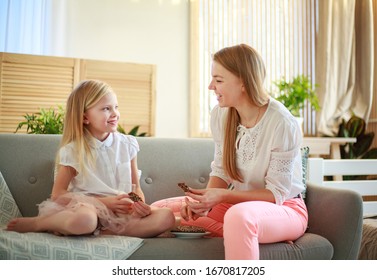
(337, 215)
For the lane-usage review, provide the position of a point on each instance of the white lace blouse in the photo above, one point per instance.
(268, 155)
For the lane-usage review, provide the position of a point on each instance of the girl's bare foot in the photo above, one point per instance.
(177, 223)
(23, 224)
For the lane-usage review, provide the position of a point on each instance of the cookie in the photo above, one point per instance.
(134, 197)
(189, 229)
(184, 187)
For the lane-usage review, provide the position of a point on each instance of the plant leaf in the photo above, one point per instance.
(355, 126)
(143, 134)
(134, 130)
(363, 143)
(121, 129)
(371, 154)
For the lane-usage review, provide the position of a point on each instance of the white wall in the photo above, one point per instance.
(140, 31)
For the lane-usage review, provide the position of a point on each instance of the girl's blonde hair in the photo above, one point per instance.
(244, 62)
(83, 97)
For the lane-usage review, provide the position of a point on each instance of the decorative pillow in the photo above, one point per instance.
(304, 158)
(46, 246)
(8, 206)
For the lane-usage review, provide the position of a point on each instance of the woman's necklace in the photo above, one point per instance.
(256, 120)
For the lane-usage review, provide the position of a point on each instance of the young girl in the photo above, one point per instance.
(96, 169)
(253, 194)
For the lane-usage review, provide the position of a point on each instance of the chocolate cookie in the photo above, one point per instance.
(184, 187)
(190, 229)
(134, 197)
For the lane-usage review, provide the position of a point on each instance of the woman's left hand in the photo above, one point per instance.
(204, 199)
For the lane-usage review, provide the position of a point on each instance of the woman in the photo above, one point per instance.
(253, 194)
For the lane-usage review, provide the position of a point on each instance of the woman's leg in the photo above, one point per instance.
(250, 223)
(81, 221)
(174, 203)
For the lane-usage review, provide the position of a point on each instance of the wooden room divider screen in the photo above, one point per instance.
(29, 83)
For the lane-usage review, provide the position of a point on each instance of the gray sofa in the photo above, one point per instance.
(335, 216)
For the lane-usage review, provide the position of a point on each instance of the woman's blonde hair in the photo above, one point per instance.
(83, 97)
(244, 62)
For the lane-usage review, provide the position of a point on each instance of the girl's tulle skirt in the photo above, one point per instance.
(108, 220)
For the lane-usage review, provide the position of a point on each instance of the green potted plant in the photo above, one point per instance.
(295, 93)
(51, 121)
(133, 131)
(361, 149)
(46, 121)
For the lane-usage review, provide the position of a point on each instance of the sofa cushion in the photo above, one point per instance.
(181, 249)
(8, 206)
(304, 158)
(46, 246)
(309, 246)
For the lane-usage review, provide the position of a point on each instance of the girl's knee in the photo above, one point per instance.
(166, 218)
(84, 222)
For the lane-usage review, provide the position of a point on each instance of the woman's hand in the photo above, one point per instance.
(187, 214)
(202, 202)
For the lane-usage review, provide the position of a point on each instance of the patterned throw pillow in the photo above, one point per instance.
(304, 158)
(41, 246)
(46, 246)
(8, 206)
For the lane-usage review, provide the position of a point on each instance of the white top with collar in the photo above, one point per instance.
(268, 154)
(112, 172)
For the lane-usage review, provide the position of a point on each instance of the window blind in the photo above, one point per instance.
(282, 31)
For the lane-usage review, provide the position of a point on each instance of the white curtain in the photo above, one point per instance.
(344, 61)
(25, 26)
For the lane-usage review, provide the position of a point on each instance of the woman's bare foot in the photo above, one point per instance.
(23, 224)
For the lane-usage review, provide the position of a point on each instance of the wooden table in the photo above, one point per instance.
(326, 145)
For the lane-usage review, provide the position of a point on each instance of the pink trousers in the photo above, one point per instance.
(245, 225)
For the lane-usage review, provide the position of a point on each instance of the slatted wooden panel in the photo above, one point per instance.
(29, 83)
(134, 85)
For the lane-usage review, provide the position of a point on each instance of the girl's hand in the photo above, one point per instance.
(121, 204)
(141, 209)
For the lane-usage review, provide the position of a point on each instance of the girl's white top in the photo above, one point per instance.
(268, 154)
(112, 172)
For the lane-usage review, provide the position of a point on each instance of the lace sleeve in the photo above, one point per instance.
(280, 174)
(217, 164)
(285, 161)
